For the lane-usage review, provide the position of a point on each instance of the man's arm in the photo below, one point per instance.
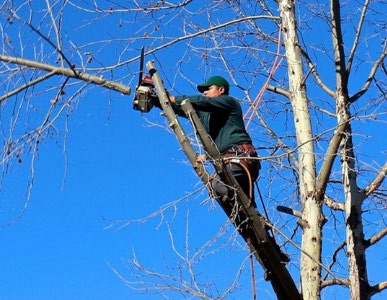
(209, 104)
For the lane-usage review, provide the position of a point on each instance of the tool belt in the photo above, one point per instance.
(242, 154)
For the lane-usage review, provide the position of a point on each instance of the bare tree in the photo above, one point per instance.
(312, 78)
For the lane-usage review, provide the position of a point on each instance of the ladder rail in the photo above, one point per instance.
(264, 250)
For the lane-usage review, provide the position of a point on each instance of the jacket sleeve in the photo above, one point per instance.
(175, 106)
(209, 104)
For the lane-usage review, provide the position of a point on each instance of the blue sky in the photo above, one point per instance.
(118, 169)
(107, 165)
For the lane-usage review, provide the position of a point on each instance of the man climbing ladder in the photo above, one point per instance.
(237, 202)
(221, 116)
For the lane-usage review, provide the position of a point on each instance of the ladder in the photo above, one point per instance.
(254, 229)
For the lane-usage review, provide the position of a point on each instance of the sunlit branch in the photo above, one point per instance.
(279, 91)
(73, 73)
(333, 204)
(341, 281)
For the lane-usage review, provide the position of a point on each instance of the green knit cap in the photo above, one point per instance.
(215, 80)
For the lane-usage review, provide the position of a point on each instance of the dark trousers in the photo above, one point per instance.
(244, 170)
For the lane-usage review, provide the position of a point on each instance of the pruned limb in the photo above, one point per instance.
(303, 223)
(68, 72)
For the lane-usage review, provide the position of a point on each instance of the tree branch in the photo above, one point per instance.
(329, 158)
(377, 288)
(376, 238)
(377, 181)
(357, 36)
(72, 73)
(279, 91)
(335, 281)
(315, 74)
(25, 86)
(371, 76)
(333, 204)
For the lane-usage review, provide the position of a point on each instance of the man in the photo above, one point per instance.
(222, 118)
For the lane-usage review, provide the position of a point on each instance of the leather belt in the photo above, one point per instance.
(246, 148)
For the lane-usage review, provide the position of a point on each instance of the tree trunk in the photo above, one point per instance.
(359, 288)
(311, 211)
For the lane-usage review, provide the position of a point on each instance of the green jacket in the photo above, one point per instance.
(221, 117)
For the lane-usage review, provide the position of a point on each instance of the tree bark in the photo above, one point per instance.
(356, 246)
(359, 288)
(311, 207)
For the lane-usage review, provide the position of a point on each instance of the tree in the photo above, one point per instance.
(323, 79)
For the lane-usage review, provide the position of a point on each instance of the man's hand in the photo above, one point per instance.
(201, 159)
(171, 98)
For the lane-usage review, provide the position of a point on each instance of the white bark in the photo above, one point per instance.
(311, 241)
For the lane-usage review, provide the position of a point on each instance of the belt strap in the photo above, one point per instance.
(248, 148)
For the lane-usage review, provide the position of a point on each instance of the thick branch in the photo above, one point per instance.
(378, 288)
(335, 281)
(333, 204)
(338, 44)
(376, 238)
(329, 158)
(279, 91)
(72, 73)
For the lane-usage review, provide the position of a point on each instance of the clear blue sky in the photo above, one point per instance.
(116, 166)
(117, 169)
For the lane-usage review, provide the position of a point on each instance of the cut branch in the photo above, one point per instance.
(72, 73)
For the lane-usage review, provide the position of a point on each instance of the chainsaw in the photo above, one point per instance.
(145, 95)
